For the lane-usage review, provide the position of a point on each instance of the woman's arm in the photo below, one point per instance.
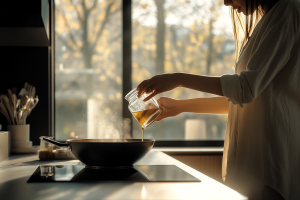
(213, 105)
(172, 107)
(208, 84)
(166, 82)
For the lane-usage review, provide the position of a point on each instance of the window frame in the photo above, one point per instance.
(126, 79)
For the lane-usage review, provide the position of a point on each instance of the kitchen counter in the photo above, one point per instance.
(15, 172)
(190, 150)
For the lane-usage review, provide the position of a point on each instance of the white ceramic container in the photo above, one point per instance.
(19, 138)
(19, 133)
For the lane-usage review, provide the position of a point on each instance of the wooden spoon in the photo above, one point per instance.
(9, 108)
(4, 111)
(24, 100)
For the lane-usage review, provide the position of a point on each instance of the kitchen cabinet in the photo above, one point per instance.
(15, 172)
(24, 23)
(207, 160)
(26, 52)
(210, 165)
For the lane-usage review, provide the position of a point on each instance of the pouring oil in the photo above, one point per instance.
(142, 117)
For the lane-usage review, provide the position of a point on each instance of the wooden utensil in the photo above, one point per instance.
(22, 93)
(9, 93)
(7, 107)
(4, 111)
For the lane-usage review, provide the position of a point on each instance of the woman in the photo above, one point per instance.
(261, 151)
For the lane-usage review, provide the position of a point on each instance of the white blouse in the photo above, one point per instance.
(262, 143)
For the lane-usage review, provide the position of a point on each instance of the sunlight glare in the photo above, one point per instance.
(143, 192)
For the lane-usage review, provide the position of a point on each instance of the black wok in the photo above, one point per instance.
(107, 152)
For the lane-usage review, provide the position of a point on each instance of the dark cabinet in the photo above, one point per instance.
(26, 55)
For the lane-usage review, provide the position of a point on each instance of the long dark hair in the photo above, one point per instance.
(255, 9)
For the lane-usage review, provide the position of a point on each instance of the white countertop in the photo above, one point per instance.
(15, 172)
(190, 150)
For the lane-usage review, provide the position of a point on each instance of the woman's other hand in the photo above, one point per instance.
(158, 84)
(170, 108)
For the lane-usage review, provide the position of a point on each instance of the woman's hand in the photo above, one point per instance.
(158, 84)
(170, 108)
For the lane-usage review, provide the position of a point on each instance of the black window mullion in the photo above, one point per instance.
(126, 57)
(51, 75)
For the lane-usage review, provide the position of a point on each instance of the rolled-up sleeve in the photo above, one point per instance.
(271, 55)
(231, 88)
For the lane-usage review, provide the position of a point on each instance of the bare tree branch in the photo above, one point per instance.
(93, 6)
(107, 13)
(116, 11)
(65, 43)
(83, 5)
(177, 49)
(69, 29)
(115, 38)
(77, 11)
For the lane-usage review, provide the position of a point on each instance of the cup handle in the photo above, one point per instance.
(60, 144)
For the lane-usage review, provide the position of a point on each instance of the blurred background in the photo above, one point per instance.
(191, 36)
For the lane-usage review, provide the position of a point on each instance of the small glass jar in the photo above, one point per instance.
(46, 170)
(46, 149)
(144, 112)
(62, 153)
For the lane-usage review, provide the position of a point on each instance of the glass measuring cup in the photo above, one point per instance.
(46, 149)
(144, 112)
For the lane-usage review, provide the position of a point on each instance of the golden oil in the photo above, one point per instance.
(142, 117)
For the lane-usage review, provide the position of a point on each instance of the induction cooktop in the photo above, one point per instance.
(138, 173)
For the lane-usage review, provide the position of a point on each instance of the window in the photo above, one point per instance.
(193, 37)
(88, 69)
(167, 36)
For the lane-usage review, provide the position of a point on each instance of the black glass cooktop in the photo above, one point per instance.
(139, 173)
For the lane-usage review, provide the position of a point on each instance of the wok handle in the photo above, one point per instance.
(56, 143)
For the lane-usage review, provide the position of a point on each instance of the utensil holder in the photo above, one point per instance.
(19, 138)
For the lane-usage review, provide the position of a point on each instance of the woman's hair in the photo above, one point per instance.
(243, 25)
